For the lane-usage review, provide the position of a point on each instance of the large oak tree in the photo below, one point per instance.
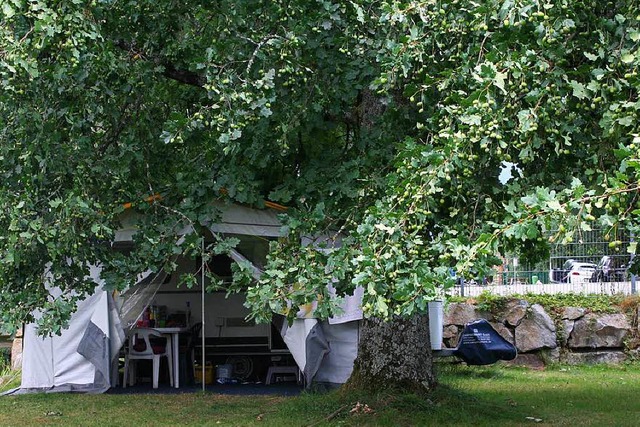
(389, 121)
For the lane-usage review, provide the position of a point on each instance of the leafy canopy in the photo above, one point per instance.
(389, 121)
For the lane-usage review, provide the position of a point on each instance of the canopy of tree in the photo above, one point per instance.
(389, 121)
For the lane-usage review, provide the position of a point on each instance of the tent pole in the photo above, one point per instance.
(202, 333)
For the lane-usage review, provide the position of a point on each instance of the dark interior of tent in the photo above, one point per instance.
(236, 349)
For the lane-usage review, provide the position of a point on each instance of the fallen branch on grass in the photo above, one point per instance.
(331, 416)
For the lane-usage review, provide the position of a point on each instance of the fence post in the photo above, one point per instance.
(462, 287)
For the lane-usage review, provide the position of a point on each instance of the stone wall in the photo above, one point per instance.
(573, 336)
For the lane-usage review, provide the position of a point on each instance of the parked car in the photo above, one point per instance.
(581, 272)
(574, 272)
(610, 269)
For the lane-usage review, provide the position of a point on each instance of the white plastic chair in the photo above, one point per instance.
(140, 347)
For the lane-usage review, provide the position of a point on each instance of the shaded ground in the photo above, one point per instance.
(279, 389)
(494, 396)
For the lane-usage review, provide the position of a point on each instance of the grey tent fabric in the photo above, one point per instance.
(94, 346)
(237, 219)
(323, 351)
(117, 337)
(256, 272)
(336, 366)
(54, 364)
(316, 348)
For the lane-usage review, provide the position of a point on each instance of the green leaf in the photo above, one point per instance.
(382, 307)
(579, 91)
(499, 80)
(526, 119)
(627, 58)
(626, 121)
(472, 119)
(590, 56)
(55, 203)
(554, 205)
(598, 73)
(359, 12)
(8, 10)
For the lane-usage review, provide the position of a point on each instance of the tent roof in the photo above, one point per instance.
(234, 219)
(237, 219)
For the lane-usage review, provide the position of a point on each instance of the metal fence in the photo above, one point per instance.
(591, 264)
(521, 287)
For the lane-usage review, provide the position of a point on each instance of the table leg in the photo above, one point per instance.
(176, 360)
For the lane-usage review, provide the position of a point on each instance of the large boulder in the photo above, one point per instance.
(515, 310)
(572, 313)
(536, 360)
(535, 331)
(450, 336)
(503, 331)
(569, 316)
(460, 313)
(595, 357)
(599, 331)
(551, 355)
(529, 360)
(565, 333)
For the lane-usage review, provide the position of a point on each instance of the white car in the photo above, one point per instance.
(578, 272)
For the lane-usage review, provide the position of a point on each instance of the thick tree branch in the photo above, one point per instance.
(170, 70)
(183, 76)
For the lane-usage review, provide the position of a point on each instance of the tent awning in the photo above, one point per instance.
(234, 219)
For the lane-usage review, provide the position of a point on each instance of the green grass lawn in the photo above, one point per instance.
(494, 396)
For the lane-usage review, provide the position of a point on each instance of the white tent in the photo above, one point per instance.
(82, 357)
(325, 349)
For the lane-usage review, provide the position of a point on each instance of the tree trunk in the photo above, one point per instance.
(395, 354)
